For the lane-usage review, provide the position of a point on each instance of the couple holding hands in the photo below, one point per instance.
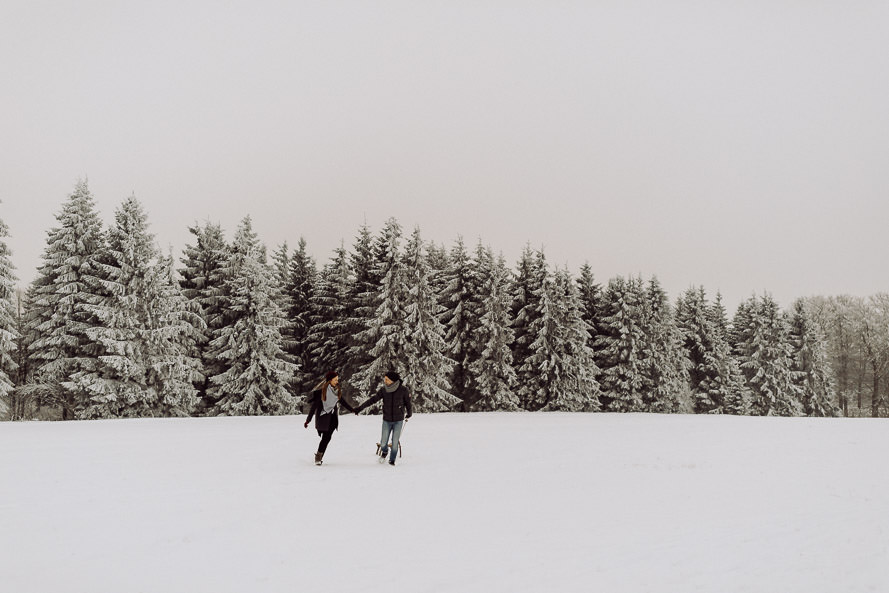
(396, 410)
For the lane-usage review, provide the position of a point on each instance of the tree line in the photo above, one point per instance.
(113, 327)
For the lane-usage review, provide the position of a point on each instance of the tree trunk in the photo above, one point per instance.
(875, 399)
(861, 370)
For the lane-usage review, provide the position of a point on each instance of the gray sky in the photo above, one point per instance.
(743, 146)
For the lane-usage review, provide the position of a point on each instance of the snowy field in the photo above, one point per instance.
(483, 502)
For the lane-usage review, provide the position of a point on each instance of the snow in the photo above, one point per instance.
(479, 502)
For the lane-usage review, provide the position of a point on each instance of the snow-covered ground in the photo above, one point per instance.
(481, 502)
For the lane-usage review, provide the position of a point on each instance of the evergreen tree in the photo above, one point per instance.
(58, 320)
(461, 311)
(590, 300)
(140, 320)
(728, 384)
(174, 364)
(9, 334)
(527, 289)
(561, 355)
(329, 337)
(813, 376)
(492, 372)
(426, 367)
(619, 346)
(202, 284)
(667, 389)
(301, 278)
(717, 385)
(386, 331)
(439, 263)
(281, 261)
(363, 299)
(762, 346)
(250, 346)
(699, 340)
(22, 404)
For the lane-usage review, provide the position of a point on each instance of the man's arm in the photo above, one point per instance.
(374, 399)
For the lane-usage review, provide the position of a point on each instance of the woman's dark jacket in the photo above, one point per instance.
(330, 421)
(394, 404)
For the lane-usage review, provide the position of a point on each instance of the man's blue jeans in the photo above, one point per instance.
(393, 428)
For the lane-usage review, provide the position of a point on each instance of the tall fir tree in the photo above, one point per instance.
(281, 266)
(250, 345)
(174, 365)
(561, 356)
(590, 300)
(367, 263)
(813, 376)
(301, 277)
(202, 283)
(699, 340)
(9, 334)
(459, 298)
(730, 386)
(142, 326)
(439, 264)
(424, 360)
(329, 338)
(619, 346)
(492, 372)
(385, 331)
(58, 320)
(762, 345)
(717, 385)
(22, 406)
(667, 386)
(531, 275)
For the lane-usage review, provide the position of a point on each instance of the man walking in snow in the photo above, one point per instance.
(396, 401)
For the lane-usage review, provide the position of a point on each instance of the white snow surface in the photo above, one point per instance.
(479, 502)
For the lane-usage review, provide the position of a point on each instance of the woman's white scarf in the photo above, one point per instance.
(329, 403)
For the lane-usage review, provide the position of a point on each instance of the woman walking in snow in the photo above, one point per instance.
(396, 400)
(325, 397)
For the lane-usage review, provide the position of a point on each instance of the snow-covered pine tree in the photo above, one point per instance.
(813, 376)
(716, 381)
(386, 331)
(330, 337)
(439, 263)
(301, 277)
(459, 298)
(281, 265)
(590, 299)
(22, 404)
(141, 324)
(531, 275)
(492, 372)
(426, 366)
(728, 385)
(366, 264)
(572, 385)
(9, 334)
(109, 318)
(698, 333)
(667, 386)
(619, 346)
(762, 347)
(174, 363)
(249, 346)
(202, 284)
(57, 320)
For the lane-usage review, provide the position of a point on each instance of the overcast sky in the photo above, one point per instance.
(742, 146)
